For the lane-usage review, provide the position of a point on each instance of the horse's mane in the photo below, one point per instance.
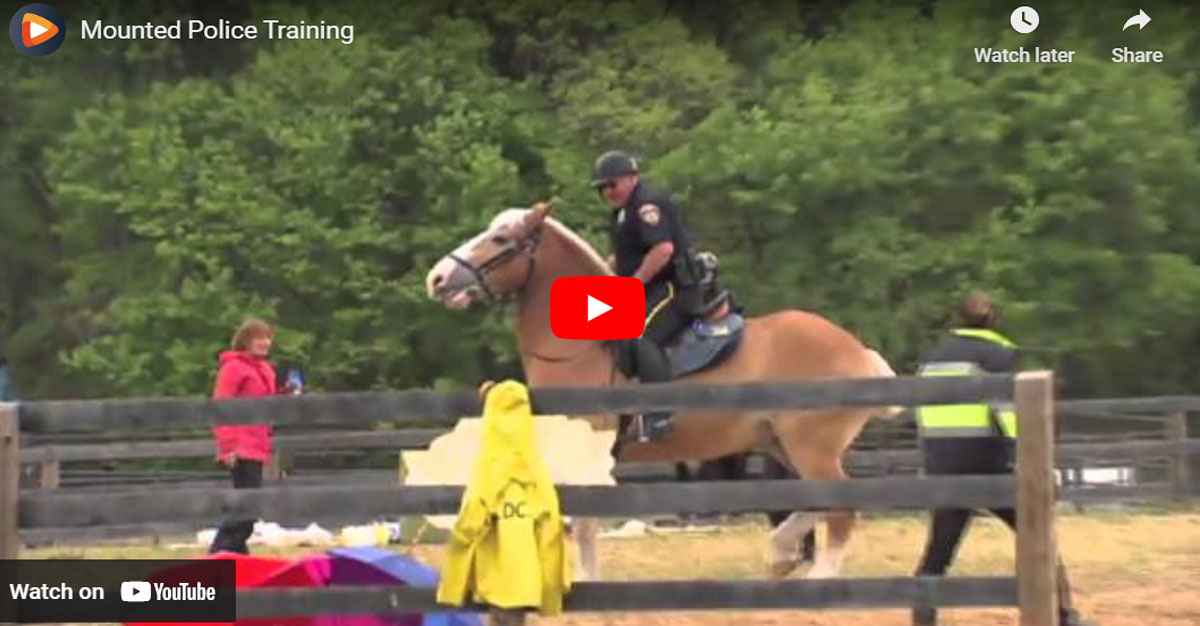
(569, 237)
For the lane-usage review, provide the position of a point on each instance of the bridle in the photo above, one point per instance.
(527, 245)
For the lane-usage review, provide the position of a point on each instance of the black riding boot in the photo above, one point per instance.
(652, 367)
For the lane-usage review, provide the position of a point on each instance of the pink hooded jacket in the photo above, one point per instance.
(243, 375)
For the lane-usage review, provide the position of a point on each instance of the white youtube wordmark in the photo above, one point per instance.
(596, 308)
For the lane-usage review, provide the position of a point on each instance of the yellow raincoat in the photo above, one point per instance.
(508, 543)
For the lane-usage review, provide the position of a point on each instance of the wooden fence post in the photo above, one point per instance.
(48, 474)
(1037, 550)
(1181, 471)
(10, 480)
(274, 465)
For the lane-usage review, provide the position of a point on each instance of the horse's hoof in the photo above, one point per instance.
(781, 569)
(818, 572)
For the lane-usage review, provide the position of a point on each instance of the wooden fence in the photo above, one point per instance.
(886, 451)
(1032, 489)
(44, 463)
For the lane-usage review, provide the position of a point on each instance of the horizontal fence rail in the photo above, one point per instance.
(364, 410)
(656, 596)
(421, 438)
(1065, 453)
(1114, 406)
(302, 504)
(331, 519)
(416, 438)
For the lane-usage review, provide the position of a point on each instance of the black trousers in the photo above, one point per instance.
(235, 531)
(665, 317)
(947, 527)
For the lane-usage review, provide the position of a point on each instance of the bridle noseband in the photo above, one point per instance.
(527, 245)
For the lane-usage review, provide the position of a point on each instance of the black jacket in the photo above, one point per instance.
(984, 455)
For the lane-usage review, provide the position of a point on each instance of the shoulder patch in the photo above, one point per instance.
(649, 213)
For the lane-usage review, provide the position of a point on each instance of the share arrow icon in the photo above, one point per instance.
(1141, 19)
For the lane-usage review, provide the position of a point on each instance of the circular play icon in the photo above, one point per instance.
(37, 29)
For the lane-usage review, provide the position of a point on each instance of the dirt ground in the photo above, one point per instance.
(1127, 569)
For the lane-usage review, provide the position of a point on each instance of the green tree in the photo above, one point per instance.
(315, 190)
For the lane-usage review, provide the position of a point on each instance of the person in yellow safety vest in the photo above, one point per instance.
(970, 439)
(508, 543)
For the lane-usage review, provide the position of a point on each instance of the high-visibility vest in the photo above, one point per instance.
(966, 420)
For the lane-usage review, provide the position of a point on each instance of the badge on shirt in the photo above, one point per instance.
(649, 214)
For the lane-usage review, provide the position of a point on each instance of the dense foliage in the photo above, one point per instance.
(849, 158)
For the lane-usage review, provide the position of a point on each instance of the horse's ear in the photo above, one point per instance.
(539, 212)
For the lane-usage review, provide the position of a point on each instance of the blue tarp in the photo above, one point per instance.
(400, 568)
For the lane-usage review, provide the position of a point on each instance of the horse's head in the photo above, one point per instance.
(492, 265)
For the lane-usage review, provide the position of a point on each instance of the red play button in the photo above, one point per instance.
(597, 307)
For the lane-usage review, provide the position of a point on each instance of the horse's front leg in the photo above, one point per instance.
(585, 530)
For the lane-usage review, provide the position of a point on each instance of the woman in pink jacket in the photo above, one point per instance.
(244, 372)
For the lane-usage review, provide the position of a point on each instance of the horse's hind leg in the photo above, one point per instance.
(840, 524)
(788, 547)
(784, 553)
(815, 450)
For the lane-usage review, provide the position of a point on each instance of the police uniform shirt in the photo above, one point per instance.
(646, 220)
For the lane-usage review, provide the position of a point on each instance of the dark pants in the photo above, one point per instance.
(947, 527)
(665, 319)
(235, 531)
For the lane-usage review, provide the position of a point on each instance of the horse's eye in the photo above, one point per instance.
(500, 240)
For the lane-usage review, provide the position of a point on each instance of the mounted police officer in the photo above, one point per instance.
(650, 242)
(970, 439)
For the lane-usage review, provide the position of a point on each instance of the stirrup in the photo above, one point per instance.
(657, 431)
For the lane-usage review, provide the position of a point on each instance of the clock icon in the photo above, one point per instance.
(1024, 20)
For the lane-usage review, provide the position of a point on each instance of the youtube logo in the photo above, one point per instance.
(597, 307)
(135, 591)
(37, 29)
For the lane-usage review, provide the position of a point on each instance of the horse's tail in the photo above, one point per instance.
(884, 370)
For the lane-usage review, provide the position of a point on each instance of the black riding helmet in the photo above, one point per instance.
(613, 164)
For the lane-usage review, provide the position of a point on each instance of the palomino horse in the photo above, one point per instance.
(521, 254)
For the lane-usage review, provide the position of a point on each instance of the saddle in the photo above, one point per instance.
(705, 343)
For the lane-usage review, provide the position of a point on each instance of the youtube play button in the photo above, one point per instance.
(597, 307)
